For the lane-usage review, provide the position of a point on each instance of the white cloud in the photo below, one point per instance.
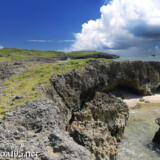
(42, 41)
(123, 25)
(67, 41)
(1, 47)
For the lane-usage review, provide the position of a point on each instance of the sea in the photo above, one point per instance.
(139, 58)
(141, 127)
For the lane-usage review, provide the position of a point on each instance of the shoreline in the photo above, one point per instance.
(132, 100)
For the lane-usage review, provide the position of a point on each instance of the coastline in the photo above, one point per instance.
(132, 100)
(82, 101)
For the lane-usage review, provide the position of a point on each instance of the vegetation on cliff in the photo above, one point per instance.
(29, 83)
(20, 54)
(81, 98)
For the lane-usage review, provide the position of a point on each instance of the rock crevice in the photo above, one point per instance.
(81, 104)
(85, 95)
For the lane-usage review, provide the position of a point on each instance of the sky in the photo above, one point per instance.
(59, 20)
(129, 27)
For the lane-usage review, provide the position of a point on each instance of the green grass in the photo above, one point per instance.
(80, 53)
(7, 54)
(25, 84)
(16, 53)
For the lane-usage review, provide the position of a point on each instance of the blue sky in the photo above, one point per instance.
(56, 20)
(130, 27)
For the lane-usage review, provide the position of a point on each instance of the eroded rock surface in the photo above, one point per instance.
(75, 87)
(72, 90)
(76, 92)
(99, 125)
(156, 138)
(97, 55)
(9, 69)
(37, 128)
(83, 121)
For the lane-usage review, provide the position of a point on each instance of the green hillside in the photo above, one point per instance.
(16, 53)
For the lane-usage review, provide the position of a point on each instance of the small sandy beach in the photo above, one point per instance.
(132, 99)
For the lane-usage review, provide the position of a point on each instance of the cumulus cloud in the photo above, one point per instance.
(124, 25)
(1, 47)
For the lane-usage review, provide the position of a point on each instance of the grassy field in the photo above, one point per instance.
(7, 54)
(16, 53)
(26, 84)
(80, 53)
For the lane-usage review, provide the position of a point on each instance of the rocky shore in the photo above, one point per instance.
(9, 69)
(82, 119)
(65, 57)
(156, 138)
(97, 55)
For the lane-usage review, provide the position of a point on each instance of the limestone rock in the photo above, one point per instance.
(156, 138)
(97, 55)
(137, 107)
(158, 121)
(37, 128)
(100, 125)
(83, 101)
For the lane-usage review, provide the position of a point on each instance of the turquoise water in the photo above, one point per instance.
(141, 127)
(140, 58)
(139, 133)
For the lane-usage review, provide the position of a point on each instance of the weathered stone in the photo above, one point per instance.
(81, 104)
(158, 121)
(137, 107)
(99, 125)
(9, 69)
(147, 102)
(97, 55)
(37, 127)
(141, 100)
(17, 97)
(75, 88)
(156, 138)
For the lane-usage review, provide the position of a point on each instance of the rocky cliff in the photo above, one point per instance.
(87, 107)
(83, 120)
(36, 128)
(97, 55)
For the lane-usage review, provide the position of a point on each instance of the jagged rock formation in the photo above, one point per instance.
(143, 77)
(75, 88)
(98, 55)
(37, 128)
(83, 121)
(99, 125)
(156, 138)
(9, 69)
(77, 91)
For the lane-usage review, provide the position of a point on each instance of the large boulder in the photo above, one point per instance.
(156, 138)
(99, 125)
